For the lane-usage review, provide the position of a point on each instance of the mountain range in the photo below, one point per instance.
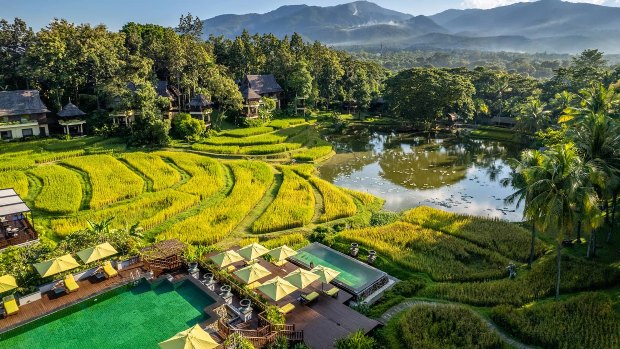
(541, 26)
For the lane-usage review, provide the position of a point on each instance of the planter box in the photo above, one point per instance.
(33, 297)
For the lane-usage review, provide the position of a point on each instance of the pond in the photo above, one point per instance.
(450, 173)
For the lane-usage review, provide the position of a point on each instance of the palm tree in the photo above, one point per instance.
(556, 184)
(530, 159)
(533, 116)
(597, 99)
(561, 101)
(501, 88)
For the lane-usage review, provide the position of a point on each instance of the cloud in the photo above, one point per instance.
(497, 3)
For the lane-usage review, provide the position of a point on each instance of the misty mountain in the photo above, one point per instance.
(542, 26)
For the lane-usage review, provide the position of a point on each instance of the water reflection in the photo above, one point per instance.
(454, 174)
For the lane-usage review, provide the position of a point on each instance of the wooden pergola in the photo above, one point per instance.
(163, 256)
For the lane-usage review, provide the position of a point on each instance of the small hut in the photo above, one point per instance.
(15, 228)
(71, 118)
(200, 108)
(255, 87)
(164, 256)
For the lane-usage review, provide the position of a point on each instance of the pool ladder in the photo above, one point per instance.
(135, 277)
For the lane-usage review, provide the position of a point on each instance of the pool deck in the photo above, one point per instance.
(325, 320)
(49, 303)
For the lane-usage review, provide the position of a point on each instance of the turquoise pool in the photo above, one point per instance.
(127, 317)
(355, 276)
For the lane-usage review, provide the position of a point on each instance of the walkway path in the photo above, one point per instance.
(410, 303)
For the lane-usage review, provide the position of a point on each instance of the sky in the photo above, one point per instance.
(115, 13)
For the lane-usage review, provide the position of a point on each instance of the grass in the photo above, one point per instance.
(583, 321)
(443, 257)
(148, 210)
(110, 180)
(246, 141)
(207, 175)
(246, 132)
(293, 206)
(214, 223)
(16, 180)
(495, 133)
(440, 326)
(154, 168)
(506, 238)
(61, 191)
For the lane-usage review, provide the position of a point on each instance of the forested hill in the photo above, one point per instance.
(541, 26)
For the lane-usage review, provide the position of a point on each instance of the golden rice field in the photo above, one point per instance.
(16, 180)
(207, 175)
(154, 168)
(215, 222)
(148, 210)
(61, 190)
(245, 141)
(110, 180)
(508, 239)
(442, 256)
(293, 206)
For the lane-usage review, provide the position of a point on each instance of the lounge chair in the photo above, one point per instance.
(309, 298)
(108, 270)
(287, 308)
(10, 305)
(70, 283)
(254, 285)
(332, 292)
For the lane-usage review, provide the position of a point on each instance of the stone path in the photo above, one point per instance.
(410, 303)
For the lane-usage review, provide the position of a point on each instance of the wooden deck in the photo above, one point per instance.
(25, 233)
(49, 303)
(325, 320)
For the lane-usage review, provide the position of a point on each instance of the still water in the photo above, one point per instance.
(449, 173)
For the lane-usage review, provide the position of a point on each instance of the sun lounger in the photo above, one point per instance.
(287, 308)
(108, 270)
(10, 305)
(70, 283)
(309, 298)
(332, 292)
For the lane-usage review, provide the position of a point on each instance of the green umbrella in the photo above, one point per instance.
(253, 251)
(96, 253)
(252, 273)
(226, 258)
(281, 253)
(7, 283)
(326, 275)
(277, 288)
(301, 278)
(56, 265)
(193, 338)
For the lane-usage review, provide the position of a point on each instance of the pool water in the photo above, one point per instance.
(136, 318)
(353, 274)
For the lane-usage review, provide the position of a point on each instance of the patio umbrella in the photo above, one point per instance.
(96, 253)
(281, 253)
(226, 258)
(7, 283)
(56, 265)
(326, 275)
(277, 288)
(252, 273)
(301, 278)
(192, 338)
(253, 251)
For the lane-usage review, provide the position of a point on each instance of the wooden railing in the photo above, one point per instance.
(263, 335)
(27, 234)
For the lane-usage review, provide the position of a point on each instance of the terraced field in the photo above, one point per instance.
(174, 194)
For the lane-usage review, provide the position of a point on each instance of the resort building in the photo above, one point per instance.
(22, 114)
(15, 229)
(71, 119)
(166, 90)
(200, 108)
(254, 87)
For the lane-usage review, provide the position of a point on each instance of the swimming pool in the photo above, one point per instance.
(355, 277)
(127, 317)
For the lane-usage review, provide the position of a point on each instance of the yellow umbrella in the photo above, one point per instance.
(281, 253)
(326, 275)
(252, 273)
(96, 253)
(226, 258)
(253, 251)
(277, 288)
(192, 338)
(56, 265)
(301, 278)
(7, 283)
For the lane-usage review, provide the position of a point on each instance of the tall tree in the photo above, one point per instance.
(15, 39)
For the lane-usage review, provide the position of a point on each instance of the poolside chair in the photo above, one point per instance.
(285, 309)
(309, 298)
(333, 292)
(70, 283)
(109, 270)
(10, 305)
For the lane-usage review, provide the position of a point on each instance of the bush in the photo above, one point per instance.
(440, 326)
(383, 218)
(356, 340)
(184, 126)
(584, 321)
